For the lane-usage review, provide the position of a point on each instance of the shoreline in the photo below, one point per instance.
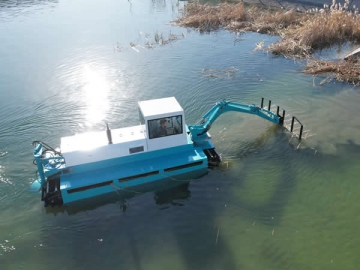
(301, 34)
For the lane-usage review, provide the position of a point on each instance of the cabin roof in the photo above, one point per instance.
(160, 106)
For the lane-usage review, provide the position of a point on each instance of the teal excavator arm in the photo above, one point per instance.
(199, 132)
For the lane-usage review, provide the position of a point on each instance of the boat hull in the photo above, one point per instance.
(109, 176)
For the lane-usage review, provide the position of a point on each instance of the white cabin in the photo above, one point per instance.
(162, 125)
(169, 112)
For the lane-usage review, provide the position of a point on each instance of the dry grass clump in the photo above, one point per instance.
(291, 47)
(301, 33)
(323, 28)
(206, 17)
(348, 72)
(237, 17)
(331, 25)
(269, 21)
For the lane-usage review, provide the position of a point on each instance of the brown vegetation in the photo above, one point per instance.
(237, 17)
(348, 72)
(301, 33)
(321, 29)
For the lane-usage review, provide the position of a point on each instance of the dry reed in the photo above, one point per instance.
(301, 33)
(342, 71)
(206, 17)
(320, 29)
(237, 17)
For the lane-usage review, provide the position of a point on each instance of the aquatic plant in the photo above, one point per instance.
(145, 42)
(220, 73)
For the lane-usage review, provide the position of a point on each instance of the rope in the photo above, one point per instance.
(116, 188)
(125, 189)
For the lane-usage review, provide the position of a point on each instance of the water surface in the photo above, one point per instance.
(67, 66)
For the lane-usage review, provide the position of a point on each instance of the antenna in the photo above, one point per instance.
(108, 133)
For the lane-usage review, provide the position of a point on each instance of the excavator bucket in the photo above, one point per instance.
(290, 122)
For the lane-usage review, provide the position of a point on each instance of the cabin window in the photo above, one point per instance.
(166, 126)
(136, 149)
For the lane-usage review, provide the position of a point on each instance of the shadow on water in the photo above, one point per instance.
(294, 165)
(283, 153)
(195, 251)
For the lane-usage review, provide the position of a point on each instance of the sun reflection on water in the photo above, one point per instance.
(95, 94)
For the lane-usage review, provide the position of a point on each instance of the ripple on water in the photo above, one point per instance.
(5, 180)
(6, 247)
(3, 153)
(14, 9)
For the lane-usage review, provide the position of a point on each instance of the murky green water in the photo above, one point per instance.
(66, 66)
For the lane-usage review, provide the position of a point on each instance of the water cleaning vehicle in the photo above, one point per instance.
(160, 147)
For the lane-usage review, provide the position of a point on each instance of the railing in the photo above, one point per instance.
(47, 164)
